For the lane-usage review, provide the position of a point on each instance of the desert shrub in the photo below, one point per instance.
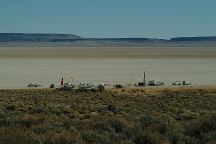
(56, 109)
(134, 91)
(167, 93)
(4, 120)
(37, 109)
(76, 114)
(93, 90)
(163, 126)
(147, 138)
(142, 90)
(16, 135)
(92, 137)
(28, 120)
(112, 108)
(118, 124)
(101, 125)
(10, 106)
(203, 128)
(68, 125)
(186, 115)
(110, 123)
(64, 137)
(40, 129)
(101, 88)
(202, 91)
(66, 109)
(209, 136)
(41, 116)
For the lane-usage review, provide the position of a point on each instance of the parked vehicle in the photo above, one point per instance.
(186, 83)
(177, 83)
(68, 86)
(33, 85)
(156, 83)
(141, 84)
(182, 83)
(119, 86)
(86, 86)
(52, 86)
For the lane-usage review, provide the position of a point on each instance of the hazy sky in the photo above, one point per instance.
(110, 18)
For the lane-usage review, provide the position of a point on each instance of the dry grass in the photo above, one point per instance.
(159, 115)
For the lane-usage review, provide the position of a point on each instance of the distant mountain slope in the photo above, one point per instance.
(75, 40)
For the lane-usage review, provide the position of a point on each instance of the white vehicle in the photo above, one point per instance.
(177, 83)
(69, 85)
(86, 86)
(155, 83)
(186, 83)
(182, 83)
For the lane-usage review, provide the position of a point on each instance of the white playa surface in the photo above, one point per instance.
(18, 72)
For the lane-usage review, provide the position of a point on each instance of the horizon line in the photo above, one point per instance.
(35, 33)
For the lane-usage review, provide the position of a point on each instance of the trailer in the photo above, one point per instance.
(86, 86)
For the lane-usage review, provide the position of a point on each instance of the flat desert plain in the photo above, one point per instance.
(110, 65)
(107, 52)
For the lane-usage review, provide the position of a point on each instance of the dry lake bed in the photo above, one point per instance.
(45, 65)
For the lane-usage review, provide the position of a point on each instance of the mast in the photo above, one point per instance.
(144, 79)
(72, 79)
(131, 80)
(62, 82)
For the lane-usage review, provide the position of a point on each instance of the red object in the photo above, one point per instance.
(62, 82)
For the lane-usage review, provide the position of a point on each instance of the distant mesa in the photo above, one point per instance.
(22, 37)
(75, 40)
(194, 39)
